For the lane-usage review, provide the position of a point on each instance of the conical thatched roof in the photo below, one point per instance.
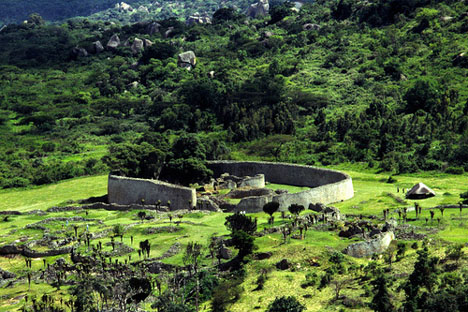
(420, 190)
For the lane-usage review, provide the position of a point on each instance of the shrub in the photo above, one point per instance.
(455, 170)
(286, 304)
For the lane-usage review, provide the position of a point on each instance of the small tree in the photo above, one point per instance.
(239, 221)
(296, 209)
(286, 304)
(401, 250)
(442, 211)
(142, 215)
(192, 256)
(119, 231)
(381, 301)
(455, 252)
(270, 208)
(464, 197)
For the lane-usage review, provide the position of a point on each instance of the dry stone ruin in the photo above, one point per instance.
(248, 178)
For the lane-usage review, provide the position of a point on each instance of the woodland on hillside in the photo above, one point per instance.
(381, 83)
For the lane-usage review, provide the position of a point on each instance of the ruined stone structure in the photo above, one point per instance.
(127, 191)
(326, 186)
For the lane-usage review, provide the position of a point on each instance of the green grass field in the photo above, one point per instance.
(43, 197)
(372, 195)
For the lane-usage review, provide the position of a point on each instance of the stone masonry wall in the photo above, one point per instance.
(127, 191)
(327, 186)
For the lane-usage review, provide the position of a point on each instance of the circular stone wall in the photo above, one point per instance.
(326, 186)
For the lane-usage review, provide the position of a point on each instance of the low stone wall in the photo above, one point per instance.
(257, 181)
(127, 191)
(327, 186)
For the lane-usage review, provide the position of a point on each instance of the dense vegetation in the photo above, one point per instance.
(13, 11)
(389, 92)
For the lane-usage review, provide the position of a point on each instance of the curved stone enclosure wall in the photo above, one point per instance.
(327, 186)
(127, 191)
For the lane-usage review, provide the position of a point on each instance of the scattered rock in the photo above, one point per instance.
(163, 229)
(283, 264)
(461, 60)
(147, 43)
(123, 7)
(137, 46)
(152, 28)
(205, 203)
(390, 225)
(143, 9)
(446, 18)
(351, 231)
(187, 60)
(114, 42)
(262, 255)
(267, 34)
(10, 213)
(157, 267)
(168, 32)
(374, 232)
(225, 252)
(6, 275)
(79, 52)
(97, 47)
(228, 184)
(259, 9)
(371, 247)
(172, 251)
(196, 19)
(310, 26)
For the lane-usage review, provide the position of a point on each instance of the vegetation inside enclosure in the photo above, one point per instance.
(372, 88)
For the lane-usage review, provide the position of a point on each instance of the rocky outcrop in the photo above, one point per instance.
(114, 42)
(196, 19)
(137, 46)
(78, 52)
(258, 9)
(224, 252)
(262, 255)
(310, 26)
(25, 251)
(187, 60)
(205, 203)
(461, 60)
(168, 32)
(97, 47)
(6, 275)
(147, 43)
(371, 247)
(152, 28)
(124, 7)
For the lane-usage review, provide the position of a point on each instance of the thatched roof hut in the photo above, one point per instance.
(420, 191)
